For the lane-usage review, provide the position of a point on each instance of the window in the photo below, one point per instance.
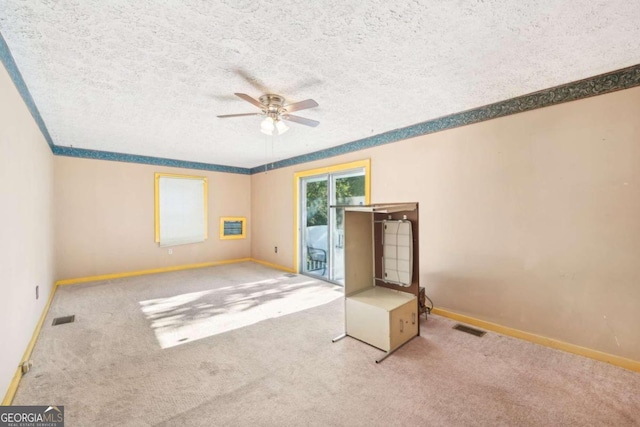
(180, 209)
(233, 227)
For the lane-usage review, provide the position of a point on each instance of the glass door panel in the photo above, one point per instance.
(315, 225)
(347, 189)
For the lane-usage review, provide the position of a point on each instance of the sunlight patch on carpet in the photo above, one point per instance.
(183, 318)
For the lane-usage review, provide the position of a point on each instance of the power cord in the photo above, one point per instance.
(422, 303)
(429, 308)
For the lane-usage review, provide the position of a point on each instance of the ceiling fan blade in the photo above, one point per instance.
(304, 84)
(302, 105)
(224, 116)
(250, 99)
(301, 120)
(253, 81)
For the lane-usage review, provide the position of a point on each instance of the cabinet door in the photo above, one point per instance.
(404, 323)
(368, 323)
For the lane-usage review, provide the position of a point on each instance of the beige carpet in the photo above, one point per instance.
(109, 368)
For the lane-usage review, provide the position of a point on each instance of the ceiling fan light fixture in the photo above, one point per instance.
(267, 126)
(281, 127)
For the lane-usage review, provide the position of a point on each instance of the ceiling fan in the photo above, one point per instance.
(273, 108)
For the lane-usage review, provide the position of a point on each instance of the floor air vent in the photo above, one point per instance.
(289, 275)
(472, 331)
(62, 320)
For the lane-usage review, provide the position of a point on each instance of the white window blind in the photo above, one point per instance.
(180, 209)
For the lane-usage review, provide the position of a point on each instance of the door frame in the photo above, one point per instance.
(342, 167)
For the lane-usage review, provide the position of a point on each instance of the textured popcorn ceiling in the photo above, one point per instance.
(148, 77)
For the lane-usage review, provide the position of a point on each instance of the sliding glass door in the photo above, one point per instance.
(322, 200)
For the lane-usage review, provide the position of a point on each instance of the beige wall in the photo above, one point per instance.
(272, 212)
(105, 218)
(26, 251)
(530, 221)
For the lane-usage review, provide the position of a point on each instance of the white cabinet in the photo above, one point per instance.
(381, 284)
(382, 317)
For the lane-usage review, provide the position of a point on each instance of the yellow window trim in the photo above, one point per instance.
(233, 219)
(364, 164)
(159, 175)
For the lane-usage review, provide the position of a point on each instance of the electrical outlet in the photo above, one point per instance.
(275, 249)
(37, 292)
(170, 251)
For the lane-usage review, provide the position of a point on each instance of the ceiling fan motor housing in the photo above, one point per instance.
(273, 105)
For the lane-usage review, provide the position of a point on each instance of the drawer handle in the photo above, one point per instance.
(401, 326)
(413, 318)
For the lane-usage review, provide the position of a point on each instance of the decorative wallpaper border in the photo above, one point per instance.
(598, 85)
(18, 81)
(624, 78)
(147, 160)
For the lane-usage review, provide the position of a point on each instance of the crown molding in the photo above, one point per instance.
(146, 160)
(7, 60)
